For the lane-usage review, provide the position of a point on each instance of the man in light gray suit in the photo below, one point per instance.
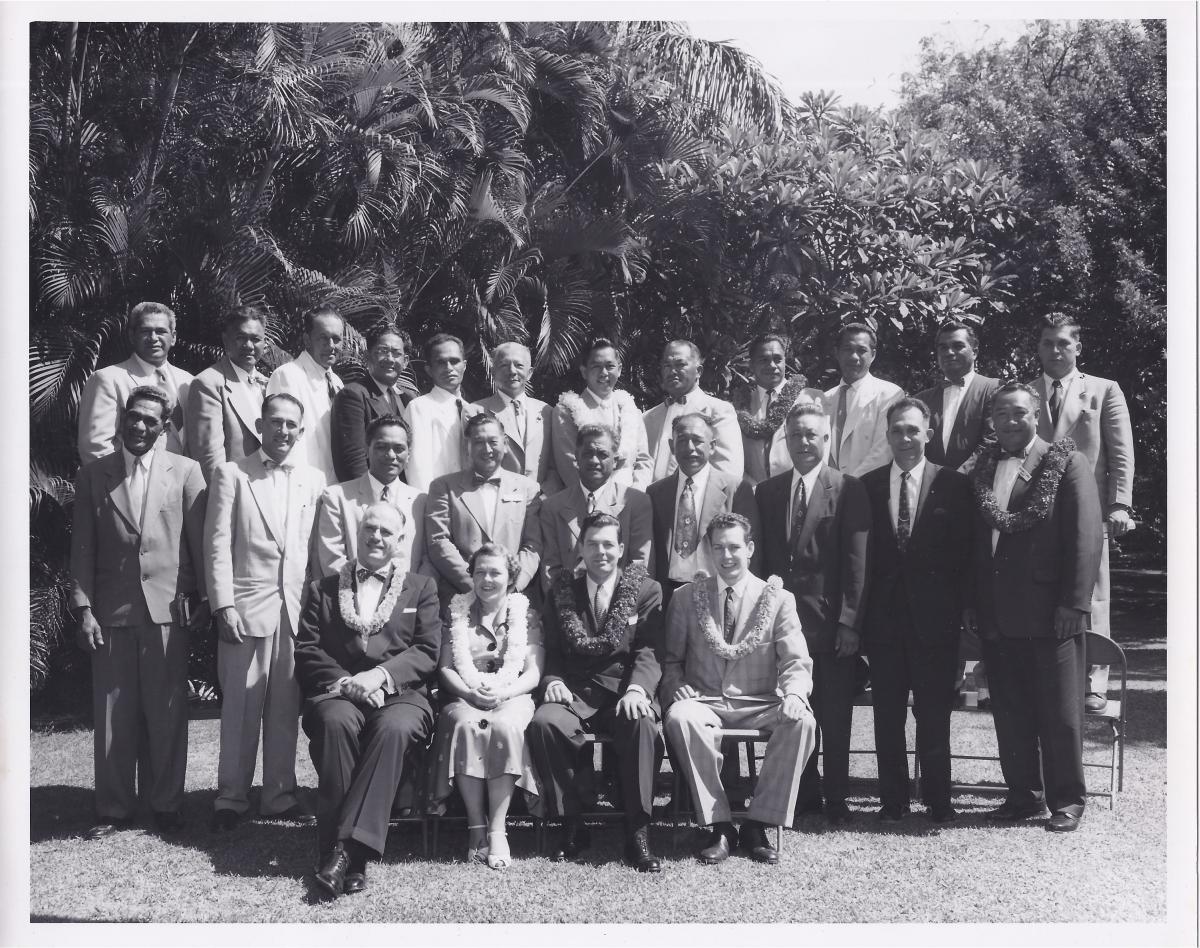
(736, 658)
(483, 504)
(525, 420)
(225, 400)
(258, 536)
(1092, 412)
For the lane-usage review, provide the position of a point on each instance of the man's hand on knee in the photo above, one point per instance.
(794, 708)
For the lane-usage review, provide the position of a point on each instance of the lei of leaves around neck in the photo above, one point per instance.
(1042, 490)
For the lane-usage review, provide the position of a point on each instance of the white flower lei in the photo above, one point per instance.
(515, 649)
(762, 618)
(383, 612)
(628, 416)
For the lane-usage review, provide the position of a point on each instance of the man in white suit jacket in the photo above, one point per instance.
(681, 364)
(1092, 412)
(525, 420)
(258, 536)
(857, 407)
(344, 505)
(225, 400)
(152, 334)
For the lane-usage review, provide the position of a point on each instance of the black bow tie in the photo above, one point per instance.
(362, 574)
(675, 400)
(961, 383)
(1014, 455)
(282, 465)
(480, 480)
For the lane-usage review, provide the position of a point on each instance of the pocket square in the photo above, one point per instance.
(408, 610)
(632, 620)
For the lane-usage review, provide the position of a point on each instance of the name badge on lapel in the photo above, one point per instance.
(1024, 475)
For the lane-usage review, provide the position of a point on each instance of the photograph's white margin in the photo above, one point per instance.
(1183, 683)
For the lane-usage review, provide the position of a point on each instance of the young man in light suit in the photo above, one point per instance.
(225, 400)
(483, 504)
(685, 502)
(681, 365)
(343, 505)
(526, 420)
(258, 537)
(151, 334)
(736, 658)
(1093, 413)
(594, 490)
(136, 548)
(857, 407)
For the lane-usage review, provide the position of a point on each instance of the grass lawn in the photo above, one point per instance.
(968, 872)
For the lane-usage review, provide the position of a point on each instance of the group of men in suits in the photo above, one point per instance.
(869, 526)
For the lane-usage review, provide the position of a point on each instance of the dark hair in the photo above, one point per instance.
(387, 421)
(319, 311)
(600, 342)
(594, 430)
(287, 398)
(379, 330)
(511, 563)
(151, 393)
(242, 314)
(1059, 321)
(954, 325)
(853, 329)
(902, 404)
(765, 338)
(440, 339)
(678, 421)
(477, 421)
(727, 521)
(149, 308)
(685, 342)
(594, 521)
(1007, 388)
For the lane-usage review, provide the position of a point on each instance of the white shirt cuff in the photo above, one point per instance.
(389, 686)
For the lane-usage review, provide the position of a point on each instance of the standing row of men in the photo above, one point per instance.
(259, 541)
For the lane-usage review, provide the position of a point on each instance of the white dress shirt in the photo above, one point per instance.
(718, 607)
(437, 436)
(758, 399)
(682, 569)
(250, 382)
(664, 460)
(280, 478)
(605, 494)
(915, 477)
(810, 483)
(1007, 472)
(489, 496)
(137, 477)
(952, 396)
(1066, 381)
(835, 440)
(606, 593)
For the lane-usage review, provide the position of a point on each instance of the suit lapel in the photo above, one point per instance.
(118, 490)
(1045, 429)
(881, 490)
(239, 398)
(260, 488)
(1073, 401)
(574, 512)
(1020, 491)
(746, 611)
(931, 472)
(508, 421)
(715, 497)
(665, 514)
(156, 484)
(474, 504)
(853, 414)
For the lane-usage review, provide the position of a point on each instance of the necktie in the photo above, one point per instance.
(137, 488)
(730, 618)
(687, 529)
(1055, 401)
(599, 606)
(384, 494)
(458, 407)
(799, 509)
(903, 514)
(843, 397)
(591, 503)
(519, 415)
(330, 385)
(770, 436)
(364, 574)
(167, 384)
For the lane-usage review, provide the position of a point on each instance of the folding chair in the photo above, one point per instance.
(1102, 651)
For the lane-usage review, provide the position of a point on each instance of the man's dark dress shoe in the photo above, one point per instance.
(355, 882)
(637, 852)
(943, 814)
(1095, 703)
(107, 826)
(293, 814)
(331, 877)
(1063, 822)
(752, 837)
(889, 813)
(224, 820)
(356, 870)
(169, 821)
(573, 840)
(1011, 812)
(720, 843)
(837, 813)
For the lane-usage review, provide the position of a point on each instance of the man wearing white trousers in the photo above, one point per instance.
(736, 658)
(257, 539)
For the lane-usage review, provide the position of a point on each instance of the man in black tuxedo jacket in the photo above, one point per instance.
(1036, 542)
(960, 406)
(604, 646)
(366, 651)
(920, 550)
(360, 403)
(815, 523)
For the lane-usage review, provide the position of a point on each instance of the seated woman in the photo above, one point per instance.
(491, 661)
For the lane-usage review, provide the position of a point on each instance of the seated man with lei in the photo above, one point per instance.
(491, 662)
(366, 651)
(603, 654)
(736, 658)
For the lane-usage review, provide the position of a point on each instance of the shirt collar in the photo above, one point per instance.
(147, 368)
(609, 585)
(310, 365)
(967, 380)
(239, 373)
(699, 481)
(378, 485)
(287, 464)
(739, 588)
(809, 479)
(854, 386)
(1024, 452)
(439, 394)
(1066, 380)
(508, 399)
(605, 493)
(131, 459)
(916, 474)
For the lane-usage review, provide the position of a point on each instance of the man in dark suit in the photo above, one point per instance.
(816, 523)
(960, 405)
(604, 640)
(365, 678)
(136, 548)
(1036, 553)
(684, 502)
(920, 552)
(360, 403)
(525, 419)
